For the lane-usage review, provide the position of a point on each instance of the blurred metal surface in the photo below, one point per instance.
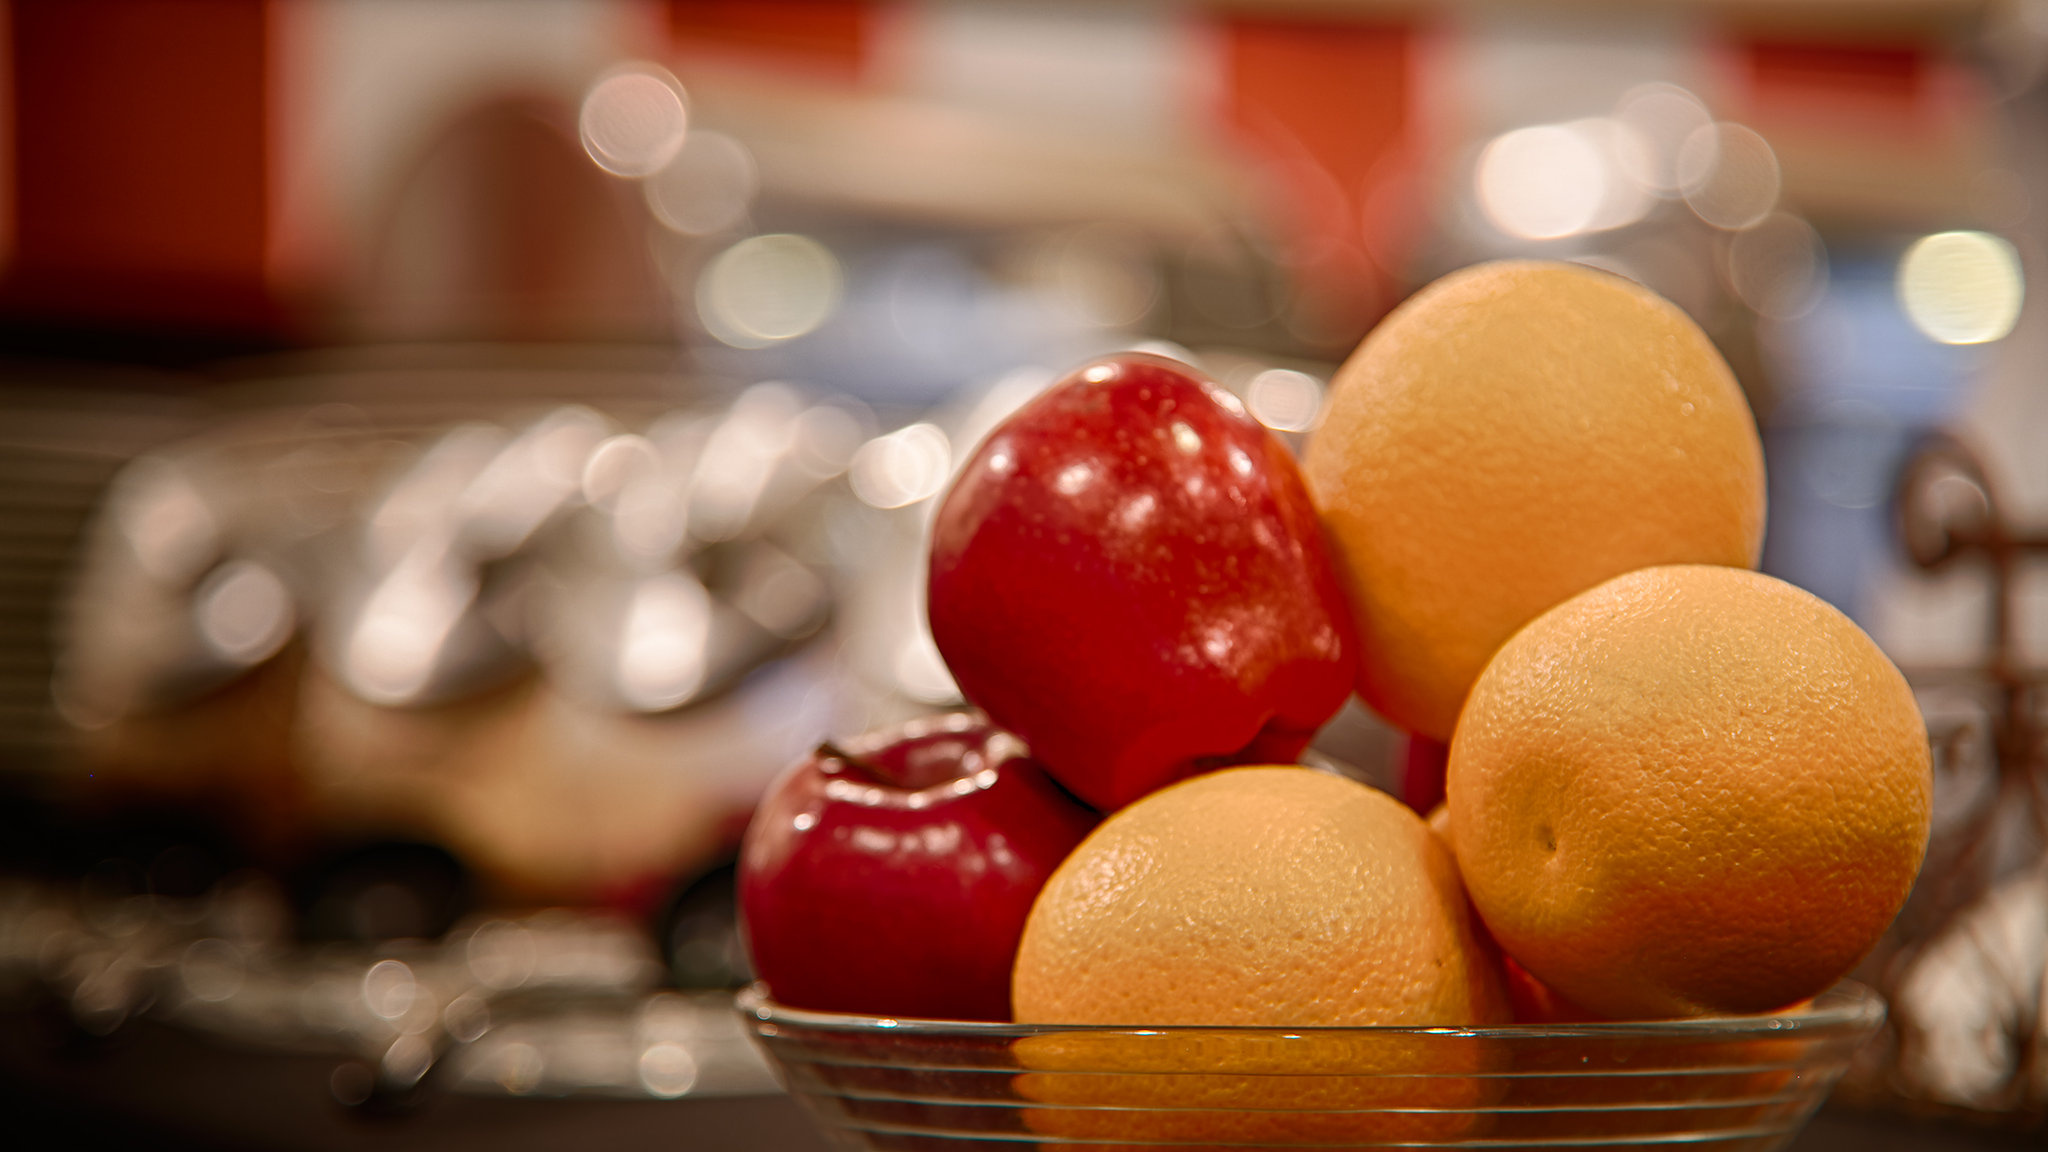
(546, 1004)
(564, 621)
(143, 1018)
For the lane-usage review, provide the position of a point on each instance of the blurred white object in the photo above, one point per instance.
(1977, 1000)
(633, 120)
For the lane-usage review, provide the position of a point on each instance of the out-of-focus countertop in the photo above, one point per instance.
(157, 1088)
(154, 1088)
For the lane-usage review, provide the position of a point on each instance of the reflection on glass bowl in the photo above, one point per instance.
(1722, 1082)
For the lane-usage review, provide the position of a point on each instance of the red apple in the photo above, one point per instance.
(1129, 574)
(892, 876)
(1423, 765)
(1535, 1002)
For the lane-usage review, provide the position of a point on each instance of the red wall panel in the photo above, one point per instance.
(140, 188)
(826, 37)
(1326, 104)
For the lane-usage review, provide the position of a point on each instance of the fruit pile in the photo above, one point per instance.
(1524, 529)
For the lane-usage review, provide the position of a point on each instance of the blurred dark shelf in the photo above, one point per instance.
(155, 1087)
(1838, 1129)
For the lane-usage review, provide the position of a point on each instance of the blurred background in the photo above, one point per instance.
(456, 452)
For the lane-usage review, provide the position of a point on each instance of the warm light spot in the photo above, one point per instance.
(389, 989)
(1101, 275)
(1542, 182)
(397, 640)
(518, 1067)
(527, 481)
(740, 458)
(243, 612)
(633, 121)
(501, 954)
(1729, 175)
(767, 289)
(211, 969)
(1286, 400)
(1550, 181)
(780, 594)
(662, 650)
(1779, 267)
(1962, 287)
(1662, 117)
(827, 436)
(165, 519)
(706, 188)
(1624, 201)
(667, 1069)
(902, 467)
(616, 465)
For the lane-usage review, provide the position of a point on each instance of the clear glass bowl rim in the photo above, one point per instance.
(1848, 1007)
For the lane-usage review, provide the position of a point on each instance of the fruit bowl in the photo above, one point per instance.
(1744, 1082)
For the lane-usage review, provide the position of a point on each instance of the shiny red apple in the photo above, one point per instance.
(1129, 574)
(892, 876)
(1424, 763)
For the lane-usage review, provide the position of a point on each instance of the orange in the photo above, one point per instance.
(1273, 897)
(1316, 1086)
(1529, 999)
(1512, 435)
(1691, 789)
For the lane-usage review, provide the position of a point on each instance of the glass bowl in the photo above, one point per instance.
(1745, 1082)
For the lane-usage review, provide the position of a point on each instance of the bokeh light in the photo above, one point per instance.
(1729, 174)
(1661, 117)
(1102, 276)
(827, 436)
(1541, 183)
(740, 459)
(1961, 287)
(389, 989)
(663, 646)
(1550, 181)
(902, 467)
(633, 121)
(707, 187)
(243, 612)
(1624, 200)
(667, 1069)
(1779, 268)
(767, 289)
(615, 465)
(1285, 400)
(165, 519)
(389, 655)
(780, 594)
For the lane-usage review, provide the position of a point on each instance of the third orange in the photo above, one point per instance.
(1514, 434)
(1691, 789)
